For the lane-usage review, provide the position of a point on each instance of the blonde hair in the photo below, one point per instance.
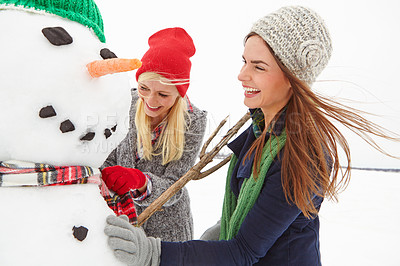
(170, 143)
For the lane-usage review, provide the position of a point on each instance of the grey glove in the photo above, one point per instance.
(212, 233)
(130, 243)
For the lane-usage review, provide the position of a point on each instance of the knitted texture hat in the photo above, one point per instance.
(299, 38)
(169, 55)
(85, 12)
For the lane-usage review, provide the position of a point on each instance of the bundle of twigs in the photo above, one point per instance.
(195, 173)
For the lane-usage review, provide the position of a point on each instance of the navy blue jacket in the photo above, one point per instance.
(273, 233)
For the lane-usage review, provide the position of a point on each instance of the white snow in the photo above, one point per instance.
(362, 229)
(36, 226)
(359, 230)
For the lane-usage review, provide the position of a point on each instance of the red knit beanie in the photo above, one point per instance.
(169, 55)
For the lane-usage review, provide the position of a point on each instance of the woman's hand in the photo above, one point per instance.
(130, 244)
(122, 179)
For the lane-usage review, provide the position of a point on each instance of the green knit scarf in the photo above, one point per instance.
(236, 209)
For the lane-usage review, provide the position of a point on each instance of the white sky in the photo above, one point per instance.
(363, 66)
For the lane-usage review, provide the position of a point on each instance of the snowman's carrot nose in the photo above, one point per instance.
(110, 66)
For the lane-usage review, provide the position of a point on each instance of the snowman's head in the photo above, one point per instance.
(53, 110)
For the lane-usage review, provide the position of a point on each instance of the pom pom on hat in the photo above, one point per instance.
(169, 55)
(299, 38)
(84, 12)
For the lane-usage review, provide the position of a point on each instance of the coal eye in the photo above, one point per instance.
(80, 232)
(47, 111)
(89, 136)
(108, 132)
(67, 126)
(57, 36)
(107, 54)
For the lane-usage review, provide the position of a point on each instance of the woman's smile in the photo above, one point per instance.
(158, 99)
(250, 92)
(153, 109)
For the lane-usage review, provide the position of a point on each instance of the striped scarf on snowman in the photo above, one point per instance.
(27, 174)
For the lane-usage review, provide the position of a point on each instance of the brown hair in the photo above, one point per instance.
(312, 139)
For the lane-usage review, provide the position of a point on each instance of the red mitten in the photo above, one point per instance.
(121, 179)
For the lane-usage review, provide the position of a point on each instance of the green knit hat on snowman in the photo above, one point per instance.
(85, 12)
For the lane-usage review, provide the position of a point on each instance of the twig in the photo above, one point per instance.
(205, 146)
(214, 168)
(194, 172)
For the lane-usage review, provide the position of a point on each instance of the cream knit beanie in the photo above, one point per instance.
(299, 38)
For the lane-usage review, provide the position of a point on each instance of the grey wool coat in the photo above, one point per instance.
(174, 221)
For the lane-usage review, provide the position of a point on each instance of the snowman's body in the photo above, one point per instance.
(36, 226)
(36, 222)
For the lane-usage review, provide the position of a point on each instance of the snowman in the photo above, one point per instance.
(65, 99)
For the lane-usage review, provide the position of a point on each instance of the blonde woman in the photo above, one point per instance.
(166, 132)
